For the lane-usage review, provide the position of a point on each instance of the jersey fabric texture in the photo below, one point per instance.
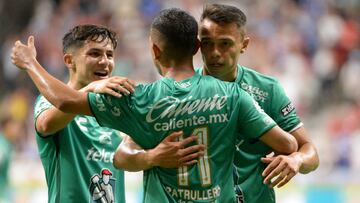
(78, 161)
(6, 152)
(269, 94)
(213, 110)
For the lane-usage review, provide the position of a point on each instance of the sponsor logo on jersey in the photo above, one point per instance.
(258, 94)
(186, 195)
(102, 155)
(102, 187)
(287, 109)
(171, 107)
(176, 107)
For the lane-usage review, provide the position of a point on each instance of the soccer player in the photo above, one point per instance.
(213, 110)
(73, 148)
(223, 39)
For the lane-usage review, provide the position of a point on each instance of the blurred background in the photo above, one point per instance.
(311, 46)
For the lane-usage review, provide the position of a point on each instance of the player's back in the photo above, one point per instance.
(200, 105)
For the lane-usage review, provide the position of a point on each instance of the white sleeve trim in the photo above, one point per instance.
(296, 127)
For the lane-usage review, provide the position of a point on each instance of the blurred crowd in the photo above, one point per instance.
(311, 46)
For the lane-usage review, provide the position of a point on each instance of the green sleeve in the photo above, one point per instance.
(119, 114)
(253, 120)
(41, 105)
(282, 109)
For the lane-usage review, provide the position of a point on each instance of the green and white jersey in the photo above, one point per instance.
(269, 94)
(6, 151)
(78, 161)
(214, 110)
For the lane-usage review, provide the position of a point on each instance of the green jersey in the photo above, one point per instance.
(6, 151)
(269, 94)
(213, 110)
(78, 161)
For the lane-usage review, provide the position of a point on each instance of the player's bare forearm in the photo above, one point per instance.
(280, 140)
(60, 95)
(170, 153)
(130, 156)
(285, 168)
(307, 151)
(53, 120)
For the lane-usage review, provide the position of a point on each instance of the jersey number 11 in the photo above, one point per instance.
(203, 163)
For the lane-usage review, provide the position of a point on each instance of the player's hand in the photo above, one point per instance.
(116, 86)
(284, 168)
(171, 153)
(102, 193)
(23, 56)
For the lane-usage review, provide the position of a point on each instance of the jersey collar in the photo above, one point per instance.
(239, 76)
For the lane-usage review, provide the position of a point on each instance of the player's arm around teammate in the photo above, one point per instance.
(170, 153)
(53, 120)
(72, 101)
(305, 160)
(166, 154)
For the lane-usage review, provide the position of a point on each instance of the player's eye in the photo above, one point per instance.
(225, 43)
(110, 55)
(205, 43)
(94, 54)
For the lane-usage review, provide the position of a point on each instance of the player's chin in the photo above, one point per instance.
(216, 71)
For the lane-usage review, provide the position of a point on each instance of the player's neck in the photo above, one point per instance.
(179, 71)
(229, 77)
(74, 85)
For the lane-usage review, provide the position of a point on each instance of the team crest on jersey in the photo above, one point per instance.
(102, 187)
(287, 109)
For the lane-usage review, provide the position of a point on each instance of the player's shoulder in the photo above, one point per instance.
(253, 74)
(147, 88)
(253, 78)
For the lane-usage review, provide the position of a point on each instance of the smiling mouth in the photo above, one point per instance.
(101, 73)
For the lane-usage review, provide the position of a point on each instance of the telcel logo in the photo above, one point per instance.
(101, 155)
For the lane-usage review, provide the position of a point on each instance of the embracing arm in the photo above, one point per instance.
(53, 120)
(168, 154)
(307, 152)
(305, 160)
(280, 140)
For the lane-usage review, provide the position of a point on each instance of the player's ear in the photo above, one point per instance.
(197, 46)
(68, 60)
(156, 50)
(244, 44)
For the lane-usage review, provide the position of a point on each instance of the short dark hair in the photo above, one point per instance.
(79, 34)
(179, 31)
(224, 14)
